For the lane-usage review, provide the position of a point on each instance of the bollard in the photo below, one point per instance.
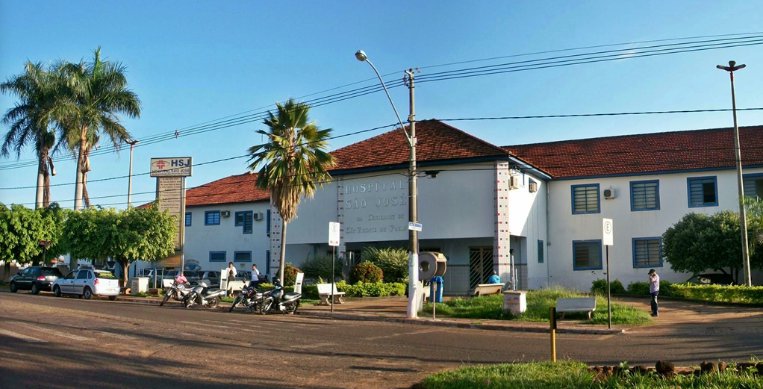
(552, 325)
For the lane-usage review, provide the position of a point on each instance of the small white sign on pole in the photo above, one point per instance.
(608, 233)
(415, 226)
(334, 234)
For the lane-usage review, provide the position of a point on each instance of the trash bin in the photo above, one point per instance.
(514, 301)
(139, 285)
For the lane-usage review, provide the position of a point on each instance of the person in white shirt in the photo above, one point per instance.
(654, 290)
(255, 281)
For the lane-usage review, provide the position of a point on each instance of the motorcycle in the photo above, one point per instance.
(176, 291)
(249, 297)
(202, 295)
(277, 300)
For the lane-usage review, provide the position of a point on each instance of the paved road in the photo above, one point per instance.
(67, 342)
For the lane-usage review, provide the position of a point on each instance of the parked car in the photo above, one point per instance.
(34, 278)
(711, 278)
(86, 283)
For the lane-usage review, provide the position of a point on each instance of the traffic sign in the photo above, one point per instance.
(334, 234)
(608, 233)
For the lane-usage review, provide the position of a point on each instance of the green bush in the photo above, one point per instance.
(372, 289)
(290, 274)
(366, 272)
(735, 294)
(642, 289)
(392, 261)
(599, 287)
(320, 267)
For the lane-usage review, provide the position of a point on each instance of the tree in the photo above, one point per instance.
(96, 93)
(700, 242)
(125, 236)
(292, 163)
(22, 229)
(30, 121)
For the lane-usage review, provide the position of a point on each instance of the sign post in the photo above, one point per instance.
(608, 240)
(170, 176)
(334, 233)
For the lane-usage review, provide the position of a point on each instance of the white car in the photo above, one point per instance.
(86, 283)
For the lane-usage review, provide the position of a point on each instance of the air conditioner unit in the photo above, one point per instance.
(225, 213)
(258, 216)
(610, 193)
(514, 182)
(533, 186)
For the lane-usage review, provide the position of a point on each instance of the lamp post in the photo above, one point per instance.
(740, 187)
(413, 237)
(129, 175)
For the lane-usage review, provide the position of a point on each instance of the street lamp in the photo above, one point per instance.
(129, 176)
(740, 188)
(413, 237)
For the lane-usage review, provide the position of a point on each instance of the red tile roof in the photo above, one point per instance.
(437, 141)
(234, 189)
(643, 153)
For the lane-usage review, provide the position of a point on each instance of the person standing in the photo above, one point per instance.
(231, 275)
(654, 290)
(255, 281)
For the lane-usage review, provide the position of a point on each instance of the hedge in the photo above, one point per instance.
(733, 294)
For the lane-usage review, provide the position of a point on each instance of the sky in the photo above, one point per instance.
(199, 62)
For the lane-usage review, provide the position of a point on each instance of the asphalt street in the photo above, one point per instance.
(68, 342)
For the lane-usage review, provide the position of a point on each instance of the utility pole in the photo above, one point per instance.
(413, 235)
(740, 186)
(129, 175)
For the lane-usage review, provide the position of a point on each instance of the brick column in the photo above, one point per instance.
(502, 237)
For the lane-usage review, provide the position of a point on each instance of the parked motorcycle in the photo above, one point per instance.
(177, 292)
(278, 300)
(203, 296)
(249, 297)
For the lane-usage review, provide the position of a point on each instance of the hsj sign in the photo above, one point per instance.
(171, 167)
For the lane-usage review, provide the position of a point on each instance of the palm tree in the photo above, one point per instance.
(97, 92)
(30, 121)
(293, 162)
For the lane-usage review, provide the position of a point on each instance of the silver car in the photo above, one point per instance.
(86, 283)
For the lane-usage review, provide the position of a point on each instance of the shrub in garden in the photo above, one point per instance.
(600, 287)
(642, 289)
(392, 261)
(372, 289)
(290, 274)
(366, 272)
(320, 267)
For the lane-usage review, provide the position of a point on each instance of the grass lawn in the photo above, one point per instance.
(570, 374)
(538, 304)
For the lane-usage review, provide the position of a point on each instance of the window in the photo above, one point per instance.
(647, 252)
(242, 256)
(245, 219)
(703, 192)
(211, 218)
(217, 256)
(540, 251)
(267, 223)
(585, 198)
(753, 185)
(188, 218)
(645, 195)
(586, 254)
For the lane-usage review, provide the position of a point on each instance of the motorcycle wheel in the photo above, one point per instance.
(265, 306)
(166, 297)
(189, 300)
(213, 302)
(235, 302)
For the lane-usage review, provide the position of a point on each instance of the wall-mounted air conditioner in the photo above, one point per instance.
(610, 193)
(225, 213)
(258, 216)
(514, 182)
(533, 186)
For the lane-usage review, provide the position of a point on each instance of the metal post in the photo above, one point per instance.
(552, 325)
(740, 187)
(609, 294)
(333, 276)
(129, 175)
(413, 235)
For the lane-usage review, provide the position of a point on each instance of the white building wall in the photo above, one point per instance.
(527, 221)
(564, 227)
(201, 239)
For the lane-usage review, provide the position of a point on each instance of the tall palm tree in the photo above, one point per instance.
(30, 121)
(292, 163)
(97, 92)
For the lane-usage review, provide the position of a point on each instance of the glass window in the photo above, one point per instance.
(82, 275)
(540, 251)
(211, 218)
(244, 219)
(703, 192)
(585, 198)
(217, 256)
(753, 185)
(645, 195)
(242, 256)
(586, 254)
(647, 252)
(188, 219)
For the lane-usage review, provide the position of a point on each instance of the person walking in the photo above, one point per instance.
(654, 290)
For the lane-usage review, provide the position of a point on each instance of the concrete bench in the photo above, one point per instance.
(485, 289)
(576, 304)
(324, 293)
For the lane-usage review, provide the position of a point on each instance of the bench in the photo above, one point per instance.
(324, 293)
(576, 304)
(485, 289)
